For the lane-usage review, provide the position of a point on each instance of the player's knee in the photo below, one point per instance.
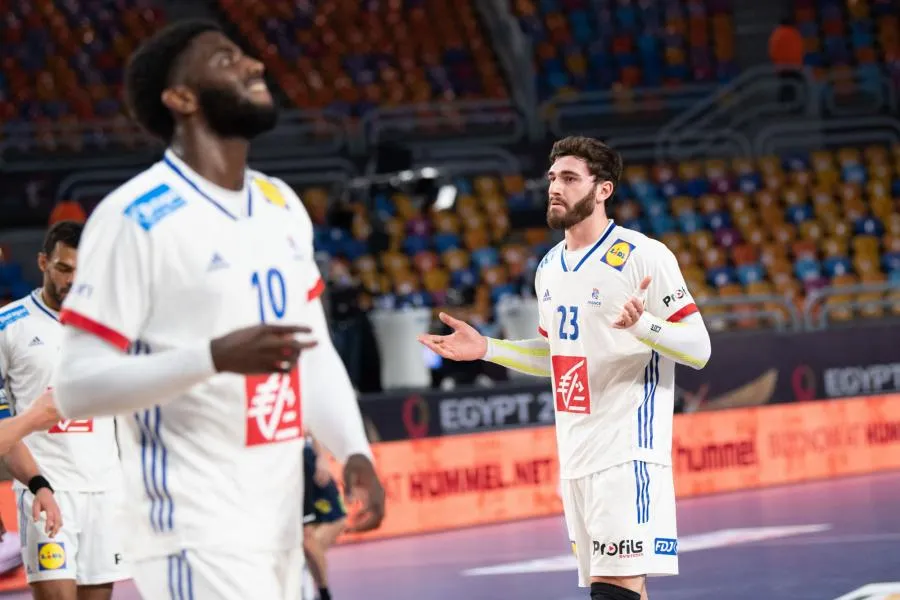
(609, 591)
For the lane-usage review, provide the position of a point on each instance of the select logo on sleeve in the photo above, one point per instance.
(51, 556)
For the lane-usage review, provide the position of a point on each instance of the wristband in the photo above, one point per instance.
(36, 483)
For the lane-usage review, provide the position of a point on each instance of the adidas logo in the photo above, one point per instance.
(36, 341)
(217, 262)
(546, 295)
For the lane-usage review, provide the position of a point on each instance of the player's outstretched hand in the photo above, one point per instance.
(361, 483)
(634, 308)
(465, 343)
(45, 502)
(260, 349)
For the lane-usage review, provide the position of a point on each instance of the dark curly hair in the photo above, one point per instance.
(66, 232)
(604, 163)
(149, 73)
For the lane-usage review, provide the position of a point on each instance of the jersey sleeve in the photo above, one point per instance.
(110, 295)
(316, 284)
(668, 296)
(542, 328)
(6, 409)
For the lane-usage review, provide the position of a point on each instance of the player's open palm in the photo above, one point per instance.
(465, 343)
(45, 502)
(260, 349)
(634, 307)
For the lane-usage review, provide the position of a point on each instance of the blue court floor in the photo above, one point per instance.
(816, 541)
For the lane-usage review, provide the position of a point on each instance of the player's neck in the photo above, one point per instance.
(48, 301)
(220, 161)
(585, 233)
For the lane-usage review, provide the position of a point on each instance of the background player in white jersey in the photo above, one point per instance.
(203, 269)
(615, 317)
(78, 457)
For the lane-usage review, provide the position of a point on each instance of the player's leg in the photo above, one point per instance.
(50, 566)
(329, 519)
(315, 560)
(626, 517)
(101, 552)
(102, 591)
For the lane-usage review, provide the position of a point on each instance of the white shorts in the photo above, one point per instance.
(88, 548)
(621, 521)
(203, 575)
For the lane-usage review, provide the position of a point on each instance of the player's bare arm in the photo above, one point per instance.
(530, 356)
(40, 416)
(22, 466)
(686, 342)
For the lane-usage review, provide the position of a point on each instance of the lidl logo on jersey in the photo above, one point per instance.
(11, 316)
(618, 254)
(273, 408)
(570, 384)
(154, 206)
(667, 546)
(73, 426)
(51, 556)
(271, 192)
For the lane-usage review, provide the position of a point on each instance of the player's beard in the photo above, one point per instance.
(580, 211)
(232, 116)
(55, 294)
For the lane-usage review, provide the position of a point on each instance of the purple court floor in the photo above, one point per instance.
(816, 541)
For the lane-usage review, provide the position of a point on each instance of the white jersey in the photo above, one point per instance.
(77, 455)
(167, 260)
(614, 395)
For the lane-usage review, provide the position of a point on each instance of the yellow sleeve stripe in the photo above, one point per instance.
(680, 356)
(535, 352)
(522, 367)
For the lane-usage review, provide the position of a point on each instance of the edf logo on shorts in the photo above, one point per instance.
(666, 546)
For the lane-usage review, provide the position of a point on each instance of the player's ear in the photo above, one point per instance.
(179, 99)
(42, 261)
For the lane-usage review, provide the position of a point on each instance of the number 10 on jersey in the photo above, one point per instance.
(270, 292)
(568, 322)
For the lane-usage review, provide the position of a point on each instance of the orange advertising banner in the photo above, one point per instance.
(443, 483)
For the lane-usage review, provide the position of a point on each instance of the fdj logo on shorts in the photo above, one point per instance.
(51, 556)
(618, 254)
(273, 408)
(622, 549)
(666, 546)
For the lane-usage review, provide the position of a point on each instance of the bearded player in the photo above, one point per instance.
(75, 462)
(615, 317)
(195, 318)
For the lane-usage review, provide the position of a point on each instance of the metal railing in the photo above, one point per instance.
(491, 122)
(779, 309)
(752, 96)
(805, 135)
(817, 310)
(589, 113)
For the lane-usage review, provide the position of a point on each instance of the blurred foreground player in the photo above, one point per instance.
(195, 289)
(324, 514)
(76, 461)
(615, 317)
